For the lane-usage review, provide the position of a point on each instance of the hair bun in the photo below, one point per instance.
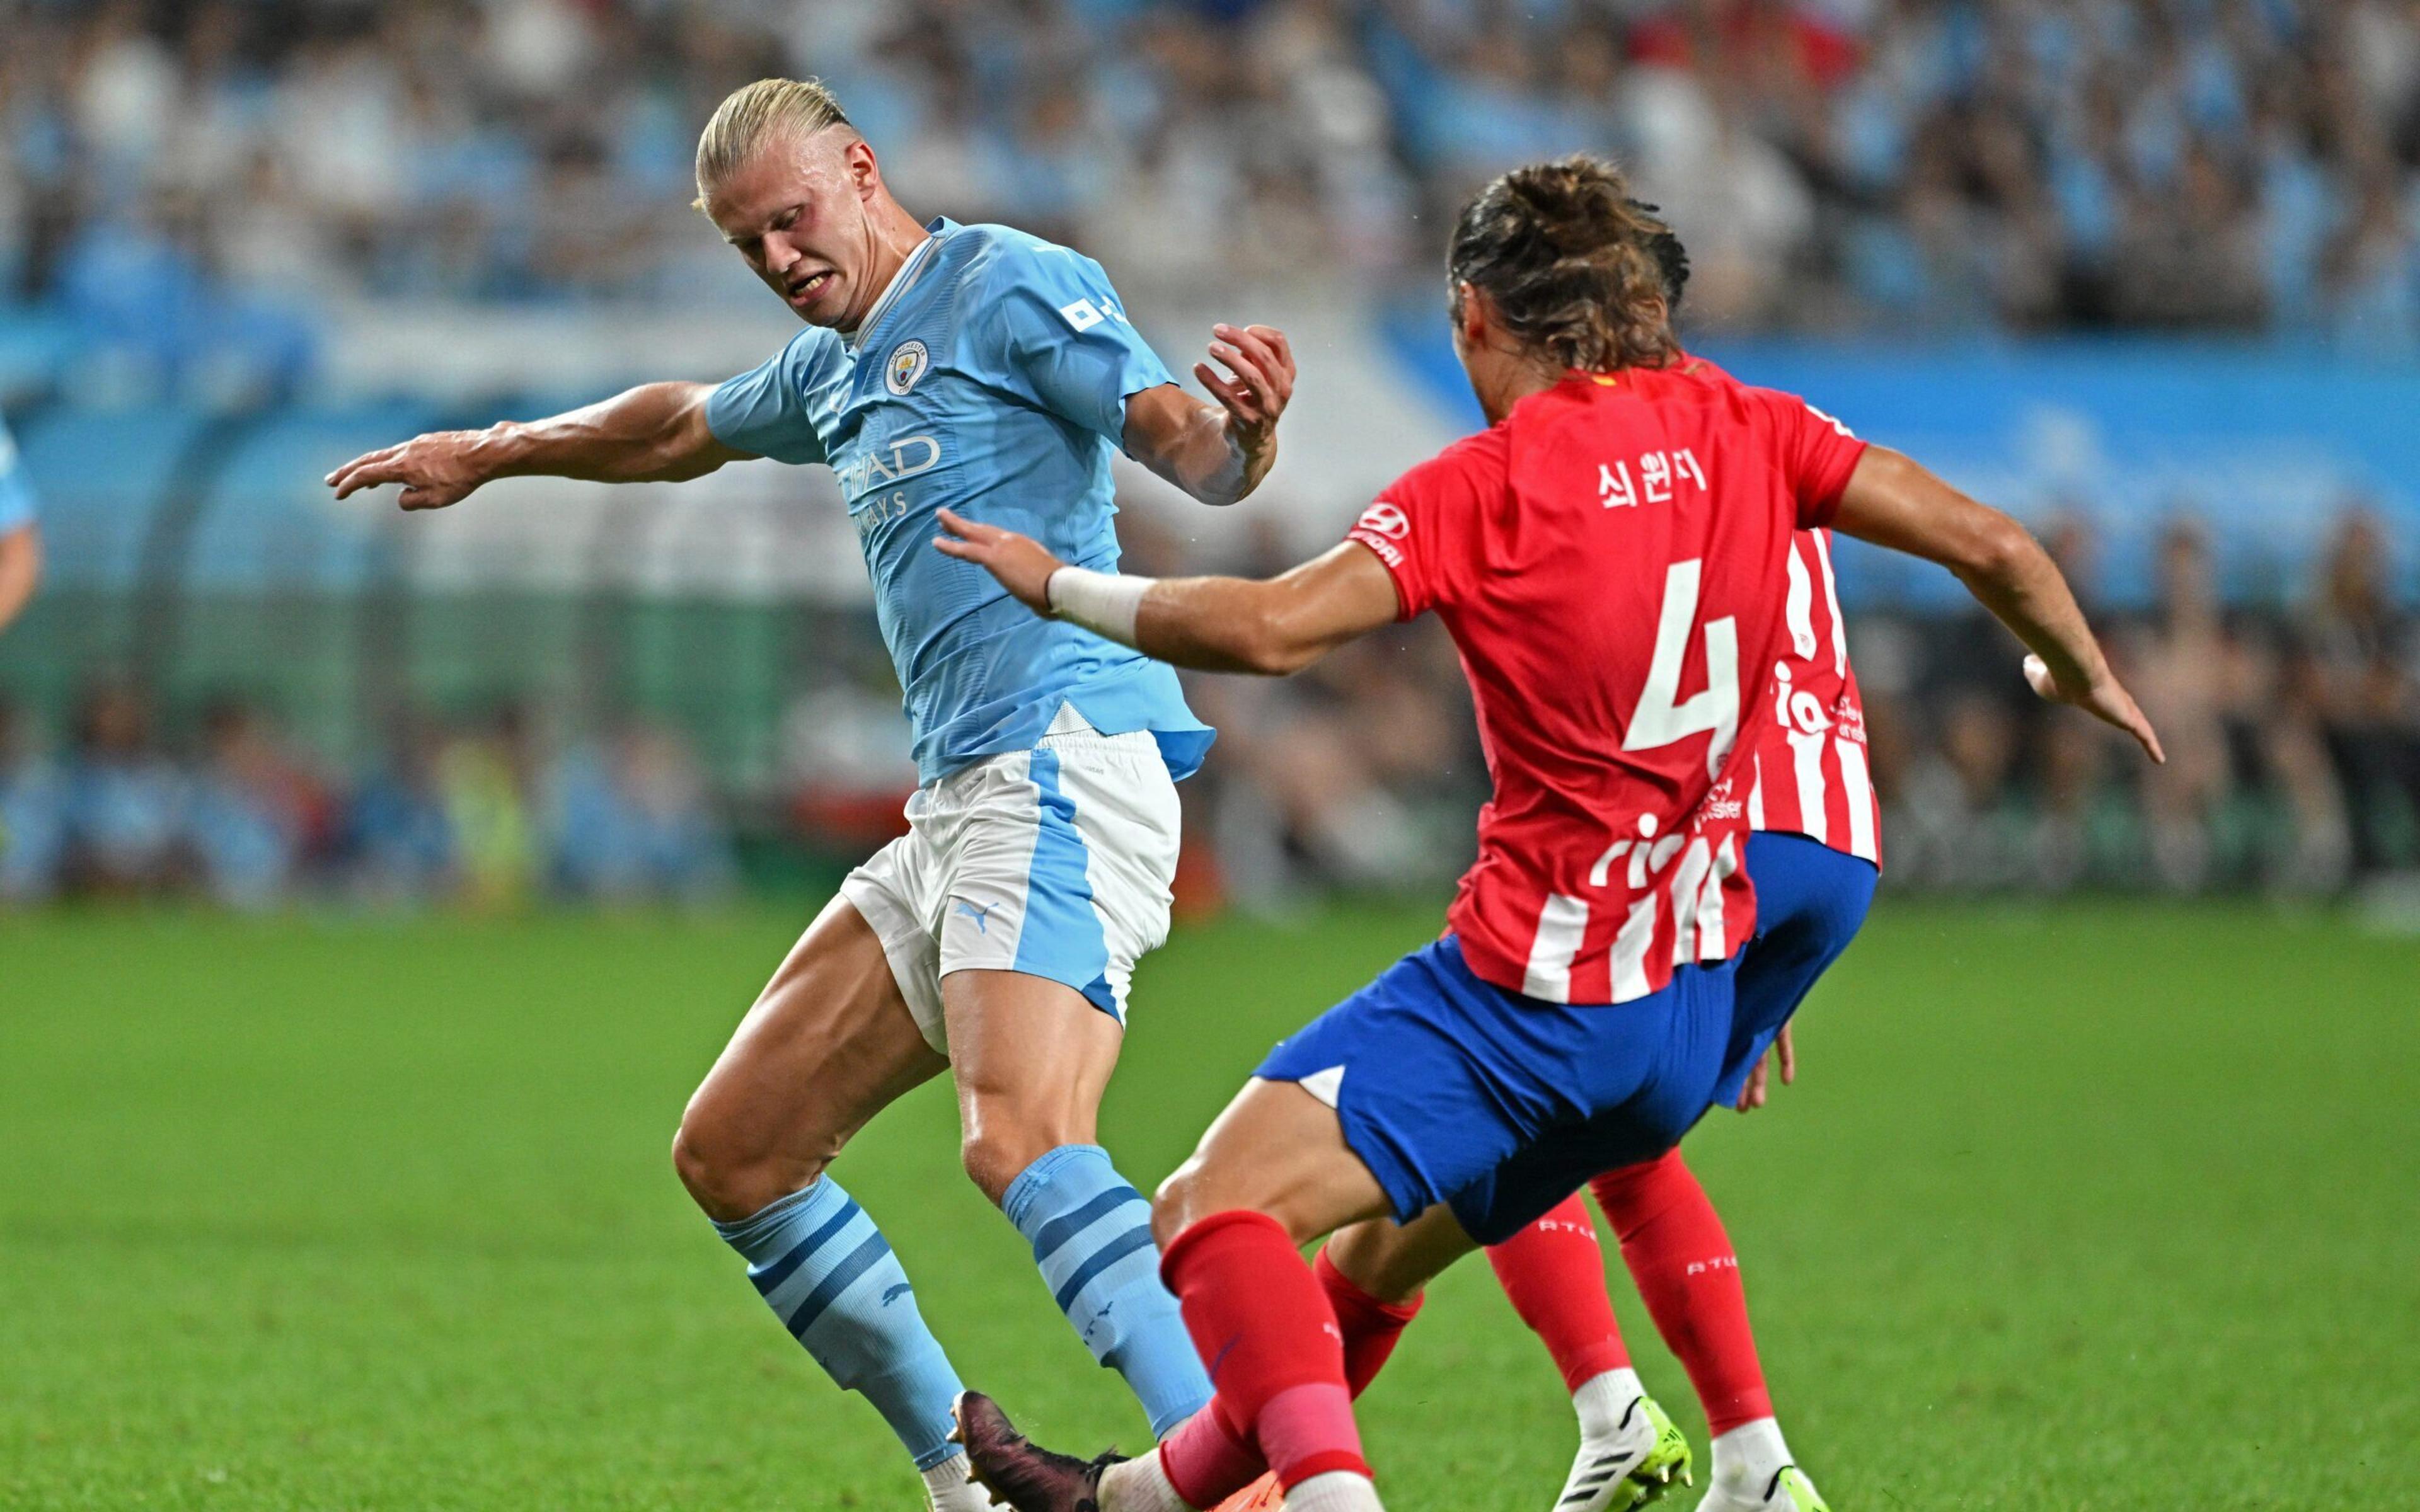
(1571, 207)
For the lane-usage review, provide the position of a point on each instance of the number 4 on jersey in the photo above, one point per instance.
(1661, 717)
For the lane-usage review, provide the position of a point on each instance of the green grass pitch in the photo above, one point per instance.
(2090, 1207)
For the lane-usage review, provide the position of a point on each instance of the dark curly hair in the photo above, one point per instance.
(1578, 268)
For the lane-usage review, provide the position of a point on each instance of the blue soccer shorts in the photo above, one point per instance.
(1454, 1089)
(1811, 901)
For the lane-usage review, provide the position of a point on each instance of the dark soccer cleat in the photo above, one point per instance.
(1018, 1472)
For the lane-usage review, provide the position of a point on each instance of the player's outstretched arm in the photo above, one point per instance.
(1894, 501)
(655, 433)
(1272, 626)
(1217, 452)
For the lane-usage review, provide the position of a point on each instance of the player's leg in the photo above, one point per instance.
(1390, 1265)
(1275, 1170)
(1059, 866)
(1630, 1450)
(828, 1043)
(1375, 1276)
(1553, 1272)
(1033, 1057)
(1421, 1089)
(1447, 1092)
(1393, 1103)
(1687, 1273)
(1275, 1165)
(1810, 902)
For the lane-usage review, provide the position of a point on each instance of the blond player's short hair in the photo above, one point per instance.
(750, 114)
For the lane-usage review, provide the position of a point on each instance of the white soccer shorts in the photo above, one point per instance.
(1055, 862)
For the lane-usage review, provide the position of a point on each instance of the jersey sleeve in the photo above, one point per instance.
(15, 492)
(1818, 454)
(1424, 527)
(764, 410)
(1052, 325)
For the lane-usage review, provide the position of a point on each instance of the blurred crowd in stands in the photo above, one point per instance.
(237, 813)
(214, 168)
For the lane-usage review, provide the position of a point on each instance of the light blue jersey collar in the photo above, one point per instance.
(910, 271)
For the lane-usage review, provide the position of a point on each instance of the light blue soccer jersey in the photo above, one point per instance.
(990, 378)
(16, 493)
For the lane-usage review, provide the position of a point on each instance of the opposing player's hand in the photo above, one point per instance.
(1752, 1096)
(2105, 701)
(1022, 564)
(436, 470)
(1258, 384)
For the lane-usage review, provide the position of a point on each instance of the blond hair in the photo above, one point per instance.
(750, 114)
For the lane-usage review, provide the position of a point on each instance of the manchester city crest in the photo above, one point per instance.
(908, 362)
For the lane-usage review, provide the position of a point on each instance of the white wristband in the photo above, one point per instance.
(1105, 603)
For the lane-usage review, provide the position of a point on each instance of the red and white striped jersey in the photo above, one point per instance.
(1812, 776)
(1612, 559)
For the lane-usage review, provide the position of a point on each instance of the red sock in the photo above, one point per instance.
(1371, 1328)
(1275, 1353)
(1674, 1243)
(1209, 1460)
(1555, 1275)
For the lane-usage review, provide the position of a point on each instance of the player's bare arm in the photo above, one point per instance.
(1272, 626)
(21, 568)
(1217, 452)
(1892, 500)
(655, 433)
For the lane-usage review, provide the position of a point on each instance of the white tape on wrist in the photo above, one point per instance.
(1105, 603)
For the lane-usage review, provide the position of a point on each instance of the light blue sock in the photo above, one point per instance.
(1091, 1234)
(830, 1276)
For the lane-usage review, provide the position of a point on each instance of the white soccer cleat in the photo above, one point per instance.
(1788, 1489)
(1631, 1465)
